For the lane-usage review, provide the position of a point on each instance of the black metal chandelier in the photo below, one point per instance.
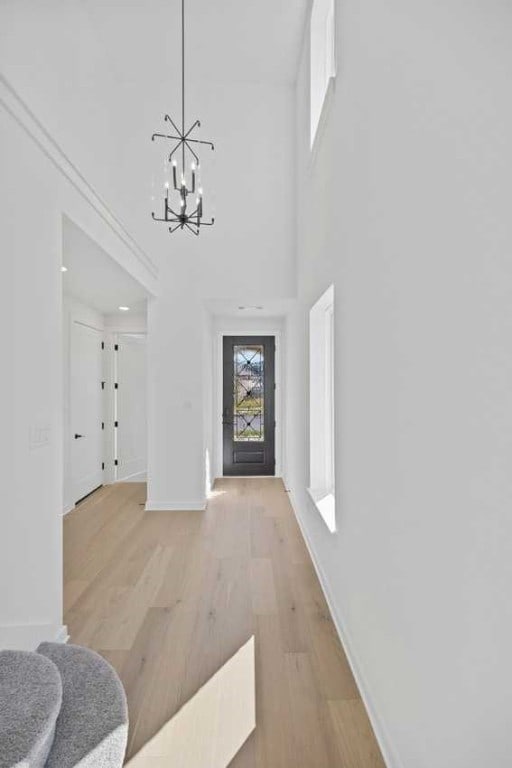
(181, 218)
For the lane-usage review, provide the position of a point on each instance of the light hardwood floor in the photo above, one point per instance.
(169, 597)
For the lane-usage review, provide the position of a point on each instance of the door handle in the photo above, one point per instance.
(77, 436)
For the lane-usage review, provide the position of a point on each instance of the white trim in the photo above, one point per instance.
(17, 108)
(321, 407)
(175, 506)
(62, 635)
(251, 477)
(323, 121)
(136, 477)
(67, 509)
(26, 637)
(218, 405)
(324, 24)
(324, 501)
(389, 754)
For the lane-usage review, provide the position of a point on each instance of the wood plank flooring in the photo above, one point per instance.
(169, 598)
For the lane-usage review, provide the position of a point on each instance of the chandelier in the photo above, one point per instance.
(185, 179)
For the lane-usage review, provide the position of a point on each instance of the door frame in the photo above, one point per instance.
(218, 374)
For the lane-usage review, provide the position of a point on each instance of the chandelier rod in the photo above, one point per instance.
(183, 80)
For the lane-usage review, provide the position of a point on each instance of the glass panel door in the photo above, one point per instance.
(249, 393)
(248, 405)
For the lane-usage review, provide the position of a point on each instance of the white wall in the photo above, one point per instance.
(247, 255)
(405, 206)
(39, 184)
(176, 367)
(82, 88)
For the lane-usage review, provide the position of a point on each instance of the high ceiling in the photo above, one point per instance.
(244, 40)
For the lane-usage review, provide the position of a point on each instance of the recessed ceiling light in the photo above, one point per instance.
(124, 309)
(63, 269)
(255, 307)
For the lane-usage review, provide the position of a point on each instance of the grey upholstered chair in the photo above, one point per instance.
(62, 707)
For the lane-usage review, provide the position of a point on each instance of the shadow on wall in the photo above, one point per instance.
(211, 728)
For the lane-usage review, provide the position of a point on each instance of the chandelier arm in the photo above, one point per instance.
(191, 150)
(166, 136)
(192, 230)
(173, 229)
(170, 120)
(191, 129)
(207, 223)
(198, 141)
(182, 139)
(175, 149)
(163, 136)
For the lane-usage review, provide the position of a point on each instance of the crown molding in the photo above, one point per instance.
(18, 109)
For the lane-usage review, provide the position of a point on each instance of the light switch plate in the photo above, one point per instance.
(39, 436)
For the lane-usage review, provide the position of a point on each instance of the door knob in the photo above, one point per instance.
(77, 436)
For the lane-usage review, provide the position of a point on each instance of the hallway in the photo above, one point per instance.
(169, 597)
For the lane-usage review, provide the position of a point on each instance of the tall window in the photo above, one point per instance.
(321, 406)
(322, 57)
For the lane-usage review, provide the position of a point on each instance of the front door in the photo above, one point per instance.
(249, 405)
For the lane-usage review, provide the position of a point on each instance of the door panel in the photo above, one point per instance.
(131, 411)
(249, 405)
(86, 409)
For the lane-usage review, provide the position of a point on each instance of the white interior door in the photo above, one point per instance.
(131, 411)
(86, 373)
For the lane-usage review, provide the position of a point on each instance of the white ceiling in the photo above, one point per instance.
(94, 278)
(242, 40)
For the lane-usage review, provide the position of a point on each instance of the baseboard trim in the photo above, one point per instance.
(136, 477)
(389, 754)
(26, 637)
(249, 477)
(62, 635)
(175, 506)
